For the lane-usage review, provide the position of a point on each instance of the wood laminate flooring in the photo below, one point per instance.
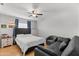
(14, 50)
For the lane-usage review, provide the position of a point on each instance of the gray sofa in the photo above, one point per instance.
(72, 49)
(51, 39)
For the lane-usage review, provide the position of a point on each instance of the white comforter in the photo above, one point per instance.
(27, 41)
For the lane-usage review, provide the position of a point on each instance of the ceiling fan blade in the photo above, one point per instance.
(29, 15)
(39, 14)
(29, 12)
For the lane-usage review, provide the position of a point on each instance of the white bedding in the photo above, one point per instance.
(26, 41)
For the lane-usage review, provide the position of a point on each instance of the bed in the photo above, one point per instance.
(26, 41)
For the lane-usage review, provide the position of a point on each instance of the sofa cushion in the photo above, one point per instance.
(47, 50)
(51, 39)
(60, 39)
(62, 46)
(49, 42)
(55, 48)
(69, 48)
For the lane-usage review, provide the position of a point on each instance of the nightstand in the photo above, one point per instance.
(6, 41)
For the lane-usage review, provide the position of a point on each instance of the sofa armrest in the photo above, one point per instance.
(50, 42)
(40, 51)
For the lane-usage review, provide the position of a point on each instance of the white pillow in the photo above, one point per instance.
(27, 35)
(24, 35)
(20, 35)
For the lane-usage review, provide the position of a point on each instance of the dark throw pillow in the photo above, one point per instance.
(62, 46)
(53, 38)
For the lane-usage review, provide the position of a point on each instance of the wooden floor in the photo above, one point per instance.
(14, 50)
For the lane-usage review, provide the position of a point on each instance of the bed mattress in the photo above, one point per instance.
(27, 41)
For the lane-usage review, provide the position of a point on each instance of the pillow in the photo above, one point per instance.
(27, 35)
(24, 35)
(19, 35)
(62, 46)
(60, 39)
(53, 38)
(67, 40)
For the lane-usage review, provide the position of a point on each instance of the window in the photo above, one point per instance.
(22, 25)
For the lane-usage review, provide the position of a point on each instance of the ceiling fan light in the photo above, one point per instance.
(33, 15)
(36, 11)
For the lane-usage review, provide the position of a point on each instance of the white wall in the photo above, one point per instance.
(34, 29)
(4, 19)
(64, 22)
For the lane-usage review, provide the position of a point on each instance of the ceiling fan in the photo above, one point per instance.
(36, 12)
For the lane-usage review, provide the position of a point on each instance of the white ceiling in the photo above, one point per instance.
(20, 9)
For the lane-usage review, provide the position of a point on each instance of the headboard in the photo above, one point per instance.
(22, 31)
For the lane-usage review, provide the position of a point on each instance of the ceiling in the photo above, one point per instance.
(20, 9)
